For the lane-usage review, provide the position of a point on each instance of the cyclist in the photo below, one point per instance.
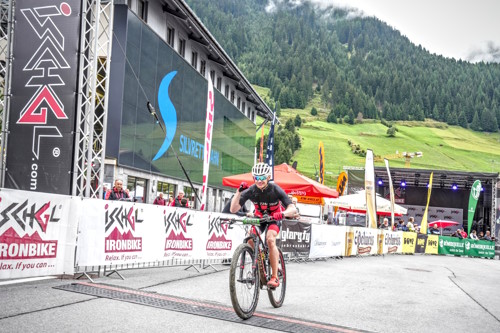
(268, 199)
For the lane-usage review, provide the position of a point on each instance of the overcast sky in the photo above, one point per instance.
(452, 28)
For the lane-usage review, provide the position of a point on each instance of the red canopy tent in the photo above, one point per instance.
(290, 180)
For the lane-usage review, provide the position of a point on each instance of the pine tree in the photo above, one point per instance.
(475, 125)
(462, 120)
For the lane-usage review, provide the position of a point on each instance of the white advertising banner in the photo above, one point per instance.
(393, 241)
(327, 241)
(365, 241)
(37, 235)
(117, 232)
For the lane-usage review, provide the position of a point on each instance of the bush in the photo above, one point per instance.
(391, 131)
(314, 112)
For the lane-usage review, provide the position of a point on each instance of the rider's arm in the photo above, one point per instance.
(235, 202)
(290, 211)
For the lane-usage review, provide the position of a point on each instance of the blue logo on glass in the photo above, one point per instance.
(168, 113)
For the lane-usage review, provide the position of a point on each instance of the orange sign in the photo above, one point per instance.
(310, 200)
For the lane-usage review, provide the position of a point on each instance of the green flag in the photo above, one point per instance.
(474, 196)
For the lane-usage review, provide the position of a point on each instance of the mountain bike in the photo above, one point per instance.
(251, 270)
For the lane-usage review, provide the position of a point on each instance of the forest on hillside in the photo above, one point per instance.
(359, 65)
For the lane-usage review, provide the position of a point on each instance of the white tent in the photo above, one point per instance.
(357, 203)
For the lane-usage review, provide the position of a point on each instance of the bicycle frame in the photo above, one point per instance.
(261, 252)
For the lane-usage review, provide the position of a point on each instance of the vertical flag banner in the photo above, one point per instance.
(261, 158)
(44, 94)
(341, 187)
(321, 163)
(423, 225)
(391, 191)
(209, 124)
(371, 204)
(270, 146)
(473, 197)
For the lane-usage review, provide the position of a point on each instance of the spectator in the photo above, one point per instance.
(105, 188)
(461, 233)
(488, 236)
(117, 192)
(385, 224)
(184, 203)
(159, 200)
(411, 224)
(177, 201)
(294, 201)
(473, 235)
(434, 230)
(401, 226)
(170, 201)
(481, 235)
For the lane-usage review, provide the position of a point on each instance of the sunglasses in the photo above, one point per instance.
(260, 178)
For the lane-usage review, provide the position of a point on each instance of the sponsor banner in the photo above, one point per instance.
(117, 232)
(421, 243)
(37, 235)
(392, 241)
(207, 150)
(475, 191)
(371, 196)
(221, 241)
(321, 151)
(349, 242)
(270, 146)
(295, 237)
(431, 247)
(479, 248)
(365, 241)
(451, 245)
(327, 241)
(423, 224)
(391, 191)
(43, 98)
(409, 242)
(434, 214)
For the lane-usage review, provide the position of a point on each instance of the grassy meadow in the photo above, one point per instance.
(444, 147)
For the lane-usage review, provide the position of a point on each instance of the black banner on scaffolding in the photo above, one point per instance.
(44, 92)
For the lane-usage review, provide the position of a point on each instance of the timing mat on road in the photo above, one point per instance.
(202, 308)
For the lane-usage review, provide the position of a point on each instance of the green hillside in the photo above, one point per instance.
(444, 147)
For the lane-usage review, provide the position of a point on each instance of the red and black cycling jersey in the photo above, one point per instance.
(266, 201)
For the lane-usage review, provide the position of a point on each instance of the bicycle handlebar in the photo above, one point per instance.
(248, 220)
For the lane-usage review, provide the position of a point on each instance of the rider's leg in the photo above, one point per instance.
(273, 251)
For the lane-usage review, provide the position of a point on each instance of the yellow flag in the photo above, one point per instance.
(423, 225)
(321, 163)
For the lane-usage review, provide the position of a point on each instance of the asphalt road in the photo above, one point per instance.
(392, 293)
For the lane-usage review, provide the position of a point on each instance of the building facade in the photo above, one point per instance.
(131, 53)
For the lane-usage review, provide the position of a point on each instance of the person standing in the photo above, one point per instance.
(117, 192)
(178, 201)
(159, 200)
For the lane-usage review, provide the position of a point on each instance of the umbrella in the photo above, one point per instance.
(442, 224)
(357, 203)
(290, 180)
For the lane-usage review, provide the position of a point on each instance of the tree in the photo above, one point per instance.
(489, 121)
(462, 120)
(391, 131)
(314, 112)
(475, 125)
(297, 121)
(289, 125)
(332, 117)
(350, 117)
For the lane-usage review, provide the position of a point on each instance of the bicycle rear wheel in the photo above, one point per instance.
(243, 282)
(277, 295)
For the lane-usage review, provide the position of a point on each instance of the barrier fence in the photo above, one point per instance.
(47, 234)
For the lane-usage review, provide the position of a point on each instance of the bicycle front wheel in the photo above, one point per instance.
(244, 282)
(277, 295)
